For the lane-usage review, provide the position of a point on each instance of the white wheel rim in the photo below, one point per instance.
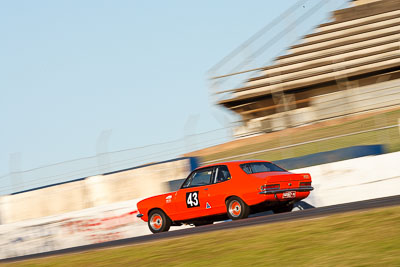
(235, 208)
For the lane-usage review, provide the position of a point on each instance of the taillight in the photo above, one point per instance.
(270, 187)
(303, 184)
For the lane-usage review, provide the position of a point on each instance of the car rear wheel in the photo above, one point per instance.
(283, 209)
(158, 221)
(237, 209)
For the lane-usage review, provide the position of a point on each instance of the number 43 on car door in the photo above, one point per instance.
(192, 199)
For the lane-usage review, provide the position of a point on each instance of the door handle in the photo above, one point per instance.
(205, 188)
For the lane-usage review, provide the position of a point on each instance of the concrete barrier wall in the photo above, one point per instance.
(43, 202)
(354, 180)
(89, 226)
(94, 191)
(136, 183)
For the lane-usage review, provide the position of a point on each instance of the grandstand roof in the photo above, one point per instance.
(360, 40)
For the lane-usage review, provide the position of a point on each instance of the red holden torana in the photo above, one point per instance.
(226, 190)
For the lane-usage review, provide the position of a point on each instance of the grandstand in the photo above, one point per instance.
(347, 66)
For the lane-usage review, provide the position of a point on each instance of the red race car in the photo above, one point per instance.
(226, 190)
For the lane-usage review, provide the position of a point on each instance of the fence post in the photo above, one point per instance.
(15, 172)
(399, 124)
(102, 151)
(1, 210)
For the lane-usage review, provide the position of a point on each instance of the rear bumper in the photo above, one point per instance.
(277, 191)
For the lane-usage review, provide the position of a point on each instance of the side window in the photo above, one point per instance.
(260, 167)
(257, 167)
(199, 178)
(222, 174)
(246, 168)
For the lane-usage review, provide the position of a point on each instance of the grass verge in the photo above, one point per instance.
(367, 238)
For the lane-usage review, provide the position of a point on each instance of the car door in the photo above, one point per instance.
(191, 199)
(218, 190)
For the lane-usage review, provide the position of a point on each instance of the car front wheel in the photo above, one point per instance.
(158, 221)
(237, 209)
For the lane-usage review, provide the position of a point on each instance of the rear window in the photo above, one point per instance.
(257, 167)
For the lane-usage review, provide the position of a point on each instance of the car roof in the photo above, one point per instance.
(235, 162)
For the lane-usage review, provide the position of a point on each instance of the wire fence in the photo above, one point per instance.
(381, 128)
(105, 161)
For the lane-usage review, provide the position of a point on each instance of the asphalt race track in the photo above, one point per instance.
(301, 214)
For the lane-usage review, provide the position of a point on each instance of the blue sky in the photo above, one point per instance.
(72, 69)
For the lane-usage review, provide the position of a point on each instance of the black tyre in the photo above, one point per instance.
(283, 209)
(158, 221)
(237, 209)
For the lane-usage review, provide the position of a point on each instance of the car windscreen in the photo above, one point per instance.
(257, 167)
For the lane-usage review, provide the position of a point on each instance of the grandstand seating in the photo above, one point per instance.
(358, 49)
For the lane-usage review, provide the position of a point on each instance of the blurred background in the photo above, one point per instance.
(316, 82)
